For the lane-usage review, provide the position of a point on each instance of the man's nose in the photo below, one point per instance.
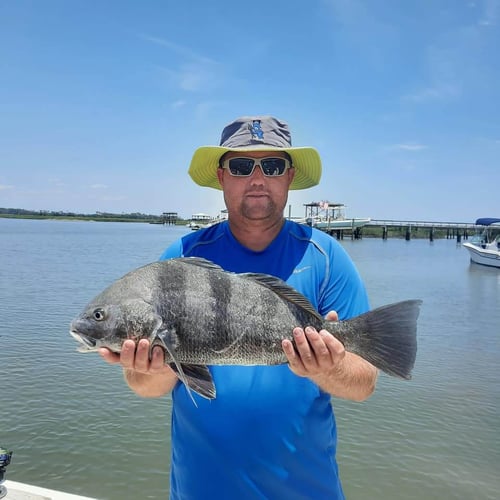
(257, 174)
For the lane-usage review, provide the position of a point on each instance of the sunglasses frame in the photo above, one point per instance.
(256, 161)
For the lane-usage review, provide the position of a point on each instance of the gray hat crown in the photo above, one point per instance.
(256, 131)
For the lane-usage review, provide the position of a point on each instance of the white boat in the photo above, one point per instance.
(484, 246)
(331, 217)
(200, 221)
(23, 491)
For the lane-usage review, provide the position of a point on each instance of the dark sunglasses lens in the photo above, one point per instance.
(273, 166)
(241, 166)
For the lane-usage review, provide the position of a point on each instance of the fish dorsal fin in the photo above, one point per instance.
(284, 290)
(200, 262)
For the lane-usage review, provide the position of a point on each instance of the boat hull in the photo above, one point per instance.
(483, 256)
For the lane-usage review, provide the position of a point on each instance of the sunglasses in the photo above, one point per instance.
(243, 167)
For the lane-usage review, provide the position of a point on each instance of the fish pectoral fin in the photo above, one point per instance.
(166, 338)
(196, 378)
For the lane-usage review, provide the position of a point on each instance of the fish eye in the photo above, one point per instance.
(98, 314)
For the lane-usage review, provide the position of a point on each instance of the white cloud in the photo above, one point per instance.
(409, 147)
(491, 13)
(439, 91)
(356, 21)
(178, 104)
(204, 109)
(4, 187)
(190, 71)
(58, 183)
(195, 76)
(459, 62)
(180, 50)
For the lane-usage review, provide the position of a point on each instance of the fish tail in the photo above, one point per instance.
(386, 336)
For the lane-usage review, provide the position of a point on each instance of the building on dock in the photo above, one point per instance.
(169, 218)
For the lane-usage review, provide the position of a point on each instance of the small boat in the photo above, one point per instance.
(200, 221)
(331, 217)
(484, 247)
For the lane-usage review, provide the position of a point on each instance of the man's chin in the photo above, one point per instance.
(257, 212)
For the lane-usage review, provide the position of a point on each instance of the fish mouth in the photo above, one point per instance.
(87, 344)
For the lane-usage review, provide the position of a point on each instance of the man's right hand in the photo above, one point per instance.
(146, 377)
(137, 359)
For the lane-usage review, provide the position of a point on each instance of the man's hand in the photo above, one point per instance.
(315, 353)
(323, 359)
(146, 377)
(137, 359)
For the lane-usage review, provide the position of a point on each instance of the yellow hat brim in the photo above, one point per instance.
(205, 162)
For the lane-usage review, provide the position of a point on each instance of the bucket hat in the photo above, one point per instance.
(256, 133)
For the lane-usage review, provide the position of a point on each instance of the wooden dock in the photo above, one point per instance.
(409, 229)
(451, 230)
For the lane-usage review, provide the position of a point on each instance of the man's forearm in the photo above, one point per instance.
(353, 379)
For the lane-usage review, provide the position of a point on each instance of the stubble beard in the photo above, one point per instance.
(266, 208)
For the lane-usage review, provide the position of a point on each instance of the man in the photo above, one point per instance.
(270, 433)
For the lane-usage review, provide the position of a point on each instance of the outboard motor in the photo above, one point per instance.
(5, 456)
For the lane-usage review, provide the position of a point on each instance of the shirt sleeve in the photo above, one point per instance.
(344, 290)
(173, 251)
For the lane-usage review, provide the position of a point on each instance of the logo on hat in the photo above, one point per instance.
(256, 131)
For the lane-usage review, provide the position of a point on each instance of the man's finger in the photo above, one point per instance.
(332, 316)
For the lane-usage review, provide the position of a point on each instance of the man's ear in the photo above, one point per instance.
(291, 175)
(220, 176)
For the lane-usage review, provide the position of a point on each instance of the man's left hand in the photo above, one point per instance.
(315, 353)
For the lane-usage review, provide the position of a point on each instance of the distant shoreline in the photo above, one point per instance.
(367, 232)
(97, 217)
(85, 218)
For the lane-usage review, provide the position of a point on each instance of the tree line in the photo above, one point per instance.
(42, 214)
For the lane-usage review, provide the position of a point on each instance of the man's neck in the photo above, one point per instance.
(256, 235)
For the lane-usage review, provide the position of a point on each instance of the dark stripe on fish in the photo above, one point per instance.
(221, 290)
(172, 286)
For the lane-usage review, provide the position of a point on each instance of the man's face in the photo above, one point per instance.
(256, 196)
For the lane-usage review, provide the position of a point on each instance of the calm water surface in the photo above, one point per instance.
(74, 426)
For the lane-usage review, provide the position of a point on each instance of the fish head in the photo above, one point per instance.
(104, 324)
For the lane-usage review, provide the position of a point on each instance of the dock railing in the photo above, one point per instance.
(419, 223)
(453, 229)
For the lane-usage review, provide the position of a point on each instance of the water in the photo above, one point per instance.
(74, 426)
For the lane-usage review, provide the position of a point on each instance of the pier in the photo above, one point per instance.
(431, 229)
(406, 229)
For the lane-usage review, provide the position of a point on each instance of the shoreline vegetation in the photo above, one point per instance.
(365, 232)
(19, 213)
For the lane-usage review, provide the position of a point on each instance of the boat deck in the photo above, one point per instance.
(22, 491)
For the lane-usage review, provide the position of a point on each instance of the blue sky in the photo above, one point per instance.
(102, 103)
